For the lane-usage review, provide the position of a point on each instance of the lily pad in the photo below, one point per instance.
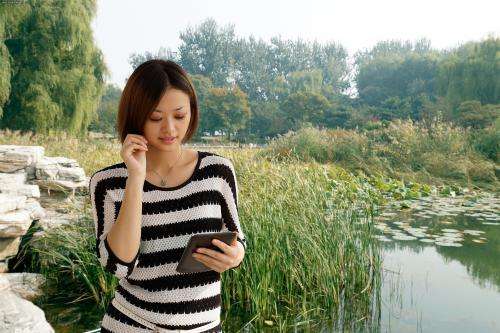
(383, 238)
(448, 239)
(400, 223)
(427, 240)
(473, 232)
(448, 244)
(451, 236)
(381, 226)
(449, 230)
(403, 237)
(388, 214)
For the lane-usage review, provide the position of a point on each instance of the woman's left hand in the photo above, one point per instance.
(220, 262)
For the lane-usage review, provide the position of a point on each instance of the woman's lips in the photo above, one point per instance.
(167, 139)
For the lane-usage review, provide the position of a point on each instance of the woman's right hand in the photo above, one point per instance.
(133, 153)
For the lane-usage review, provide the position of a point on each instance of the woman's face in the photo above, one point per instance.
(170, 119)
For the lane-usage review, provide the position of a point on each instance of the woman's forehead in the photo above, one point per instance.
(172, 100)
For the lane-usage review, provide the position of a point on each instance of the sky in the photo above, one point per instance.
(123, 27)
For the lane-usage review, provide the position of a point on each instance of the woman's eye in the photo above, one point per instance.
(162, 118)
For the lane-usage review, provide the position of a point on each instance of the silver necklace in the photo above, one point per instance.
(164, 181)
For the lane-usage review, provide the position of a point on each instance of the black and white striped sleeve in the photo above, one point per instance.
(229, 204)
(104, 215)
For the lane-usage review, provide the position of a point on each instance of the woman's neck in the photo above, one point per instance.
(162, 161)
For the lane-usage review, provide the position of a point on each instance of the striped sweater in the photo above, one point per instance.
(149, 286)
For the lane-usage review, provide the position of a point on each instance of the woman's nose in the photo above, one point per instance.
(167, 126)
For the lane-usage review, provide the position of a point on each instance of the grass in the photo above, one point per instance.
(309, 245)
(436, 154)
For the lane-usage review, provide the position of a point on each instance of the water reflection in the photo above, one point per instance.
(431, 286)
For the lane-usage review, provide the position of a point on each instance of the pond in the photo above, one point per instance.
(441, 265)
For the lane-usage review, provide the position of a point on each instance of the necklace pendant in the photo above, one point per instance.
(163, 183)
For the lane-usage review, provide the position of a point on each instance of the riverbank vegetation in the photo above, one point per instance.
(307, 205)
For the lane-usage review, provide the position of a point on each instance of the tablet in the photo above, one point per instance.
(188, 264)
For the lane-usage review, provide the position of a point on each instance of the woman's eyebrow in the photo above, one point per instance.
(178, 108)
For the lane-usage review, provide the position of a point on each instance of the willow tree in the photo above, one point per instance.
(4, 68)
(472, 72)
(57, 70)
(10, 14)
(395, 68)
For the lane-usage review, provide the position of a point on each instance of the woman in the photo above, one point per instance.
(147, 207)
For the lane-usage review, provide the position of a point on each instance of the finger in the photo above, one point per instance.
(202, 258)
(138, 137)
(223, 246)
(214, 254)
(132, 147)
(136, 140)
(135, 146)
(210, 262)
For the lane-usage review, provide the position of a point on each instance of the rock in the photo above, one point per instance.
(18, 314)
(4, 284)
(15, 224)
(9, 247)
(20, 204)
(36, 210)
(60, 168)
(28, 190)
(25, 285)
(11, 202)
(19, 178)
(19, 164)
(14, 158)
(4, 267)
(62, 185)
(54, 219)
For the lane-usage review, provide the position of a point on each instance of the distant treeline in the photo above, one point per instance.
(53, 77)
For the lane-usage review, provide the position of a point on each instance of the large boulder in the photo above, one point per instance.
(18, 314)
(25, 285)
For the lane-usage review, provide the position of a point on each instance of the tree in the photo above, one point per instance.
(58, 73)
(228, 109)
(303, 107)
(107, 111)
(207, 50)
(203, 86)
(471, 72)
(396, 69)
(135, 59)
(4, 67)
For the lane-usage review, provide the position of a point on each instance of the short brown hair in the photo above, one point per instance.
(143, 92)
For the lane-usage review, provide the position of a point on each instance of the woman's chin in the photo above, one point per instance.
(167, 147)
